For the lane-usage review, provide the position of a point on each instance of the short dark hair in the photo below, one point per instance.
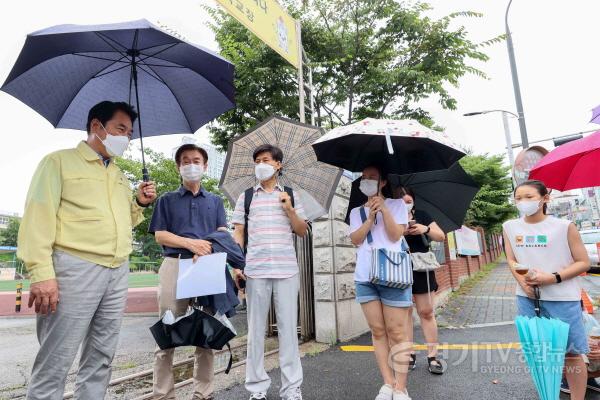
(190, 147)
(275, 152)
(537, 185)
(105, 110)
(406, 191)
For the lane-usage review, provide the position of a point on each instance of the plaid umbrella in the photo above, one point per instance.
(314, 181)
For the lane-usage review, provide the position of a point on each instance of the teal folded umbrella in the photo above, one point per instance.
(544, 344)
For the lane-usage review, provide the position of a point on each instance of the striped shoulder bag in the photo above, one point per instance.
(389, 268)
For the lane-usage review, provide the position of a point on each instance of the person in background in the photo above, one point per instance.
(386, 309)
(593, 357)
(421, 230)
(550, 253)
(181, 220)
(75, 239)
(271, 270)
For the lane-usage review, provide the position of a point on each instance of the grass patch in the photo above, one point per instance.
(143, 279)
(473, 280)
(136, 280)
(127, 365)
(11, 286)
(313, 351)
(13, 387)
(7, 257)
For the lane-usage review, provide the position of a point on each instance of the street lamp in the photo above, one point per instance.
(515, 79)
(509, 147)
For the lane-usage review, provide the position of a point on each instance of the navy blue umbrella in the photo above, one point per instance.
(65, 70)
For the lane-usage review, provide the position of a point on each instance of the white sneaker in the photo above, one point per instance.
(385, 393)
(401, 395)
(295, 394)
(258, 396)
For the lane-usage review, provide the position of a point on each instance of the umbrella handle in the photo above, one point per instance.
(388, 141)
(537, 307)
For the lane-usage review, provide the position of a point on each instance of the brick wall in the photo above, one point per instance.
(454, 272)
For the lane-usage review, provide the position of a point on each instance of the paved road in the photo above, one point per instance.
(591, 283)
(134, 352)
(336, 374)
(481, 315)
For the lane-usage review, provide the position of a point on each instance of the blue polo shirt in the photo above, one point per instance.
(186, 215)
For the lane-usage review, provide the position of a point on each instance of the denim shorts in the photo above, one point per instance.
(392, 297)
(566, 311)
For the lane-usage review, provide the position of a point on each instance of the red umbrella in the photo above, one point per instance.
(573, 165)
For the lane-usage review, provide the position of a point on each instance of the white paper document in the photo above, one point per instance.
(204, 277)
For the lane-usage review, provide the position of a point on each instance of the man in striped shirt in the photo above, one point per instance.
(271, 269)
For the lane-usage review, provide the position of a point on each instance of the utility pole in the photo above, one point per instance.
(515, 80)
(509, 145)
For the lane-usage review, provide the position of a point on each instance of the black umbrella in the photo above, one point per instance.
(445, 194)
(197, 329)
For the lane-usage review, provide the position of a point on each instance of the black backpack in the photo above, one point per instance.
(248, 196)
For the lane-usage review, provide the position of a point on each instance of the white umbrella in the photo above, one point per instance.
(399, 146)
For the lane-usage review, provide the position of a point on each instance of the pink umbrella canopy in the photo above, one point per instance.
(573, 165)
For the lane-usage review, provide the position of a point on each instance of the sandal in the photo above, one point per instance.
(435, 366)
(412, 363)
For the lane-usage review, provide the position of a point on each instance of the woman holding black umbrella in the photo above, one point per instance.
(421, 230)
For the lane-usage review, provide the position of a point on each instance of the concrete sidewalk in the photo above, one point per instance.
(486, 302)
(481, 312)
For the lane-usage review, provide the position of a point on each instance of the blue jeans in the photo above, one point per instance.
(566, 311)
(392, 297)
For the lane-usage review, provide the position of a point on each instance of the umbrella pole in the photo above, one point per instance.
(145, 175)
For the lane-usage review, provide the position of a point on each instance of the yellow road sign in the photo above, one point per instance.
(270, 22)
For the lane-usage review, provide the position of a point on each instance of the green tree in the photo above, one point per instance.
(490, 207)
(370, 58)
(163, 171)
(8, 236)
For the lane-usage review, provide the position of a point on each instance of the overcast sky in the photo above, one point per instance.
(555, 45)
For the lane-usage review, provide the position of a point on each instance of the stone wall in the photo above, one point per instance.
(337, 315)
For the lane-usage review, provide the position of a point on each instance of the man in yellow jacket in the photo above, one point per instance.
(75, 239)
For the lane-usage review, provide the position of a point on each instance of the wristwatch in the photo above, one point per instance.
(428, 229)
(557, 276)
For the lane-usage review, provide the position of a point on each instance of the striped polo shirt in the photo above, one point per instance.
(271, 252)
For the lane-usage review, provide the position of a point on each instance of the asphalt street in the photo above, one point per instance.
(471, 374)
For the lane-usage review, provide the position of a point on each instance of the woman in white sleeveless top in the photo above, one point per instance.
(555, 256)
(386, 309)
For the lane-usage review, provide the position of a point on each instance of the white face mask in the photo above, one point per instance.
(369, 187)
(115, 145)
(528, 207)
(191, 172)
(409, 206)
(264, 171)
